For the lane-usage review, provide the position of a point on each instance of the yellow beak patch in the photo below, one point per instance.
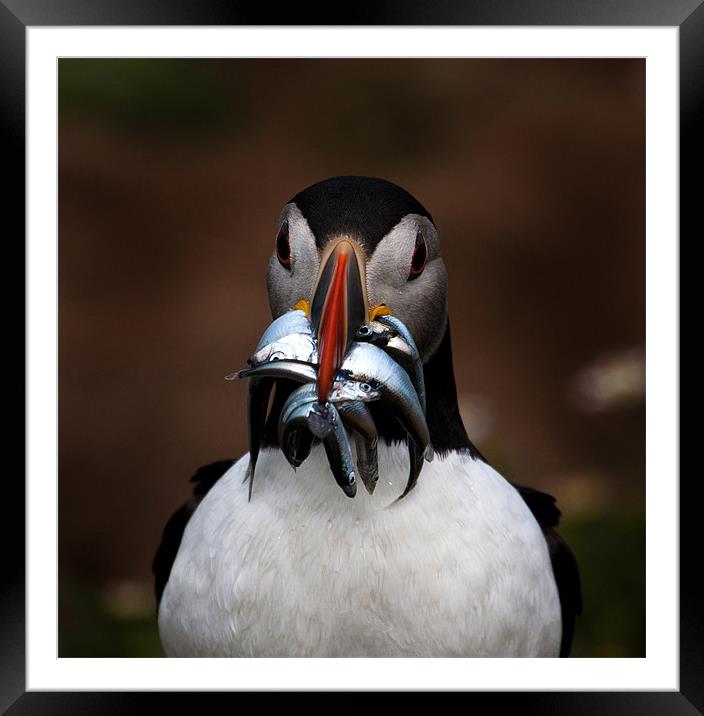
(302, 305)
(381, 310)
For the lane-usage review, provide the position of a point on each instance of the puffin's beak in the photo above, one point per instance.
(338, 310)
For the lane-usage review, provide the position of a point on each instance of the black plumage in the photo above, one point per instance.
(204, 479)
(364, 208)
(564, 565)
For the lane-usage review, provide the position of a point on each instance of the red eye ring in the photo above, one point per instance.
(283, 247)
(419, 258)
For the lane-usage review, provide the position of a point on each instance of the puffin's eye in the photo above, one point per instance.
(420, 256)
(283, 247)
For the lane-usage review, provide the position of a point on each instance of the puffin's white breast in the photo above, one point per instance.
(457, 568)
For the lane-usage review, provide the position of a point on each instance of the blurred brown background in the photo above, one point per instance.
(172, 174)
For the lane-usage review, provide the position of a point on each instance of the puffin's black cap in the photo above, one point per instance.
(365, 208)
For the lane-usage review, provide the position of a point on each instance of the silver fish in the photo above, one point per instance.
(337, 448)
(397, 347)
(353, 390)
(262, 379)
(295, 438)
(344, 388)
(294, 370)
(286, 324)
(404, 349)
(296, 416)
(391, 334)
(303, 395)
(289, 337)
(295, 434)
(258, 394)
(356, 416)
(296, 346)
(369, 364)
(287, 350)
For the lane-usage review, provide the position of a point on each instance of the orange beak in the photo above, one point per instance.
(338, 310)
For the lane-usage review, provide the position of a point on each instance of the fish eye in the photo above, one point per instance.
(283, 247)
(420, 257)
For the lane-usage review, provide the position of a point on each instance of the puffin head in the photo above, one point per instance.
(351, 248)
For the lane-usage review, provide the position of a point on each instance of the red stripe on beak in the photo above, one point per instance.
(332, 331)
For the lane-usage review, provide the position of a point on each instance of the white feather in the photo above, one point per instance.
(457, 568)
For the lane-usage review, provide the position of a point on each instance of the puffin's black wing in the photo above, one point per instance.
(204, 479)
(564, 565)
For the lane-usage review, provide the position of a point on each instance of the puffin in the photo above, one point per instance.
(467, 564)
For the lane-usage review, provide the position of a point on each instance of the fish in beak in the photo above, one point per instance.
(345, 355)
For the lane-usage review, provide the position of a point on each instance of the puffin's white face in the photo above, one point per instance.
(403, 273)
(407, 274)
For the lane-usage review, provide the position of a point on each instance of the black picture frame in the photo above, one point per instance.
(17, 15)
